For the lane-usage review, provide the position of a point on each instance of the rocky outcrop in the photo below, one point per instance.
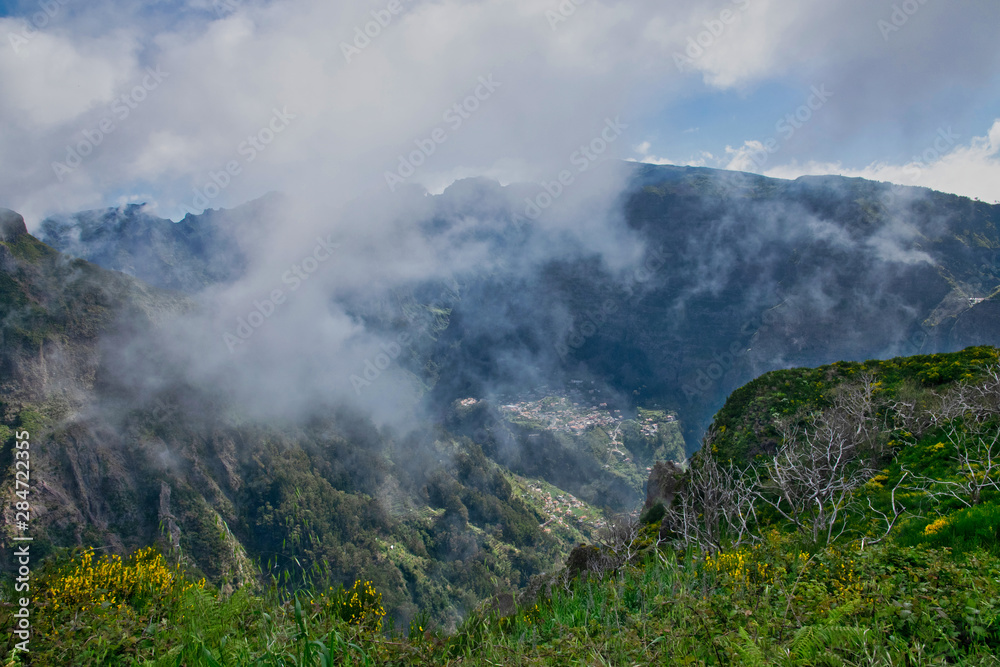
(11, 225)
(665, 481)
(167, 518)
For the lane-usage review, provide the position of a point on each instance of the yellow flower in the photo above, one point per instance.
(935, 527)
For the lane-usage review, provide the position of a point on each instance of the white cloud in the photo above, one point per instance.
(608, 58)
(53, 78)
(742, 158)
(703, 159)
(971, 169)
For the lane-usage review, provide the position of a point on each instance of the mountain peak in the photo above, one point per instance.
(11, 225)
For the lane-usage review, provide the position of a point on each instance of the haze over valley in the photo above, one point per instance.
(427, 310)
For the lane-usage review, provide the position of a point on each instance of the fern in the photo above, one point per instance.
(814, 644)
(750, 654)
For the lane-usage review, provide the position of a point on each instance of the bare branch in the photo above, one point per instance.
(897, 512)
(716, 505)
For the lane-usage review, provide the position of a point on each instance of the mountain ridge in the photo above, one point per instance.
(690, 284)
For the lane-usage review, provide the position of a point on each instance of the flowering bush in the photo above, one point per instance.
(359, 605)
(112, 582)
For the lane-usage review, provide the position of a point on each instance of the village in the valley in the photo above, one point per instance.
(574, 410)
(581, 409)
(564, 510)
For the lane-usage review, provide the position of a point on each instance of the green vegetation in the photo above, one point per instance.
(587, 449)
(769, 604)
(905, 571)
(747, 425)
(29, 249)
(331, 503)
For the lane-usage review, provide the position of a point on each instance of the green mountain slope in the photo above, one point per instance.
(911, 576)
(741, 274)
(426, 516)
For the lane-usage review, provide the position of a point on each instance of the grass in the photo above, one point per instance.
(928, 595)
(774, 603)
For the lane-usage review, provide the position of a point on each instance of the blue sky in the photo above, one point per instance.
(913, 94)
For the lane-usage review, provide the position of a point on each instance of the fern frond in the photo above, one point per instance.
(815, 644)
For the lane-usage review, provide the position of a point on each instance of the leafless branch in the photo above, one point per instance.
(812, 477)
(716, 505)
(897, 512)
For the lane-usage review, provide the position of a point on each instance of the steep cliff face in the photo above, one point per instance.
(53, 313)
(188, 255)
(741, 274)
(118, 463)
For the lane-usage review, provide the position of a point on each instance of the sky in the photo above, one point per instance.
(191, 104)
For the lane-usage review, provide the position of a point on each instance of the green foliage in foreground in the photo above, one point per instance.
(768, 604)
(927, 592)
(747, 423)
